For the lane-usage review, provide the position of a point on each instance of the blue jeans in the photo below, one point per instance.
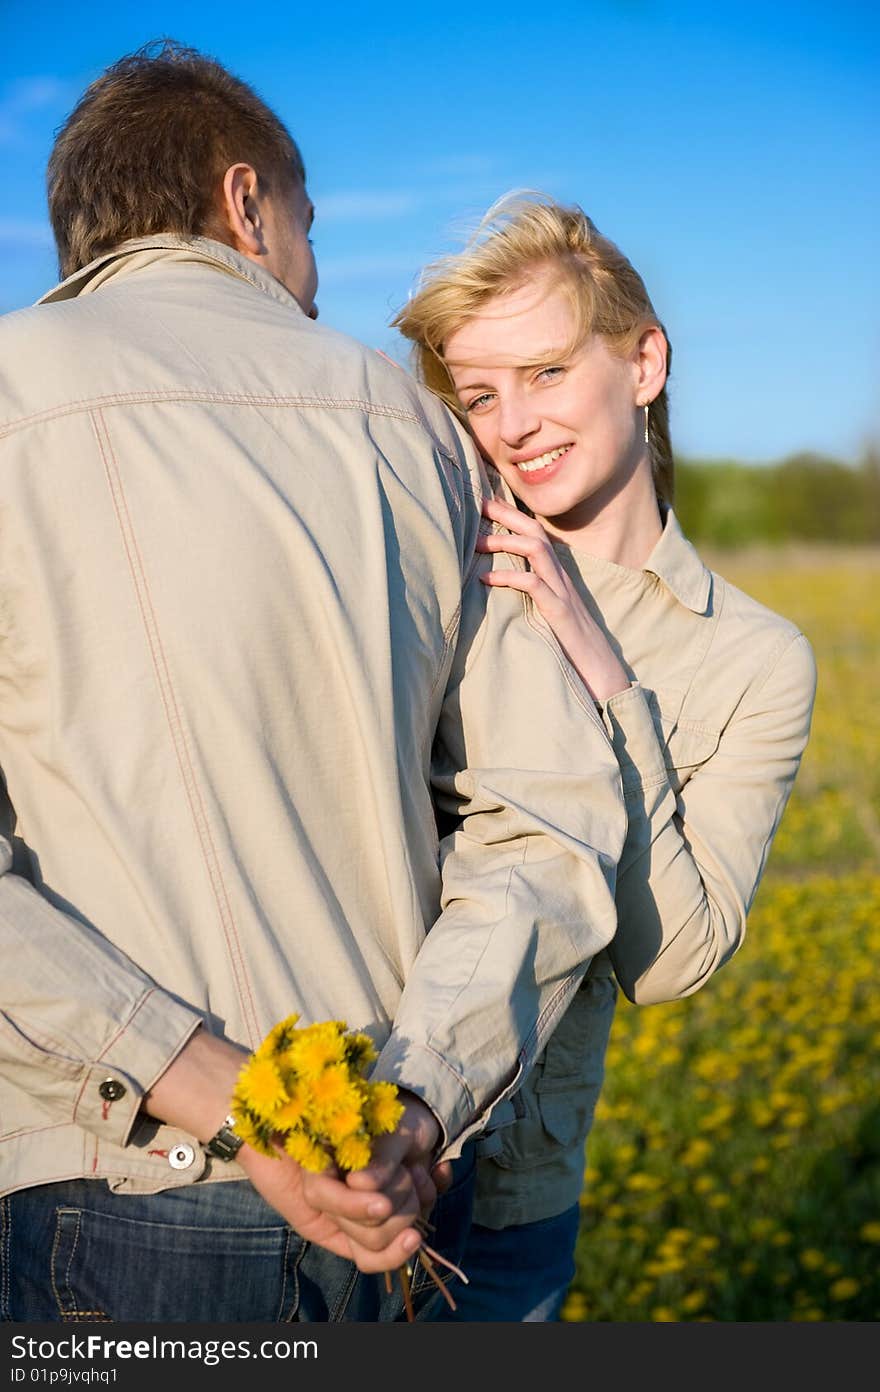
(211, 1253)
(516, 1274)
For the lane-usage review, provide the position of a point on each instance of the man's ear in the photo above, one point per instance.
(241, 209)
(650, 360)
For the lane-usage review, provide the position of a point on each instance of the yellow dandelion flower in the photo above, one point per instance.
(664, 1315)
(342, 1124)
(642, 1182)
(353, 1153)
(811, 1259)
(382, 1110)
(695, 1300)
(844, 1289)
(260, 1087)
(306, 1152)
(360, 1051)
(293, 1112)
(332, 1091)
(575, 1308)
(317, 1047)
(249, 1128)
(278, 1038)
(870, 1232)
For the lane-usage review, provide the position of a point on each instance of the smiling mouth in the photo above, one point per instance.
(542, 461)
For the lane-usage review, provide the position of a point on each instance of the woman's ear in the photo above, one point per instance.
(650, 359)
(241, 209)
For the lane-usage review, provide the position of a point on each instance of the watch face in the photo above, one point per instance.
(226, 1144)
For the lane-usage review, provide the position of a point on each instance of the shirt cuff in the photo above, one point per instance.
(634, 740)
(114, 1086)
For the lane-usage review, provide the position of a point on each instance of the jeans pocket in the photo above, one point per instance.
(108, 1267)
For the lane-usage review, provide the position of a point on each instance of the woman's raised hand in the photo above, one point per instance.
(553, 595)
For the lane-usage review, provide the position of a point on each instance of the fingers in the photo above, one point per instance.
(426, 1188)
(367, 1206)
(510, 516)
(442, 1176)
(411, 1144)
(395, 1254)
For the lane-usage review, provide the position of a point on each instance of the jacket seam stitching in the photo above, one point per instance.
(174, 719)
(93, 405)
(777, 653)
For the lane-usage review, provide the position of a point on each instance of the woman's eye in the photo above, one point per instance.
(550, 374)
(479, 403)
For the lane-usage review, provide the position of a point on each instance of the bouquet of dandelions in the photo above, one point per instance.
(305, 1090)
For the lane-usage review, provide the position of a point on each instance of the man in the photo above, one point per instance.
(244, 644)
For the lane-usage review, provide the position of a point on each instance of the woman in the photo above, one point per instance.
(542, 335)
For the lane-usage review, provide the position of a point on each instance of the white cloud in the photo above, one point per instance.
(368, 206)
(21, 99)
(334, 270)
(25, 232)
(32, 93)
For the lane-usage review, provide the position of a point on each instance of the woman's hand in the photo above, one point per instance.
(554, 596)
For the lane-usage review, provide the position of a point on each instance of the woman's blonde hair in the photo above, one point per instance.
(519, 234)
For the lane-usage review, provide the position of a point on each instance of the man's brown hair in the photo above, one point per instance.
(146, 147)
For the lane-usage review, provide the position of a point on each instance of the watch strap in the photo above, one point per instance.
(226, 1142)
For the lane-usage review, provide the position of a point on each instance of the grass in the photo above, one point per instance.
(733, 1172)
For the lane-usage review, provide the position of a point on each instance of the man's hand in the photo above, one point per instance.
(368, 1219)
(371, 1228)
(395, 1189)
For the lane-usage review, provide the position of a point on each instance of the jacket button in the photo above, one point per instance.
(181, 1157)
(111, 1089)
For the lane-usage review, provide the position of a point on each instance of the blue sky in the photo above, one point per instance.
(731, 151)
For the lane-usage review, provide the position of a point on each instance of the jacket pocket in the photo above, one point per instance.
(687, 747)
(557, 1100)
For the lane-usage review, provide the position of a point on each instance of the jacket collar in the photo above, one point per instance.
(675, 562)
(140, 252)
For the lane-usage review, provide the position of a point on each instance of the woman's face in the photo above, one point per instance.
(566, 436)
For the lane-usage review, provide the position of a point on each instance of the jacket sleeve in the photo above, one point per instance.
(528, 876)
(76, 1012)
(692, 863)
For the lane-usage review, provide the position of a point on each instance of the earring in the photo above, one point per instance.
(647, 441)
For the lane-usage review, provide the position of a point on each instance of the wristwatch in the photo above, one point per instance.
(226, 1142)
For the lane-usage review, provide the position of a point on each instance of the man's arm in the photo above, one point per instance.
(528, 876)
(76, 1012)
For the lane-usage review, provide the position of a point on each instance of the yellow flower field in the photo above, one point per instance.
(734, 1169)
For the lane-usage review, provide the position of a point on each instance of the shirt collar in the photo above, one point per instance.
(675, 562)
(140, 252)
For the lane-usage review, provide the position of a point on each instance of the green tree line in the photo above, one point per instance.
(806, 497)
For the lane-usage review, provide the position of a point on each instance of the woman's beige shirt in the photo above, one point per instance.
(709, 738)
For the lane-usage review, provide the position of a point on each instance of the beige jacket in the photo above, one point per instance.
(709, 739)
(243, 643)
